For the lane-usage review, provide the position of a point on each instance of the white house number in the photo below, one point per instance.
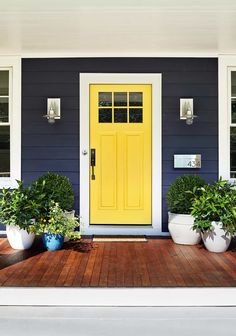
(194, 164)
(187, 161)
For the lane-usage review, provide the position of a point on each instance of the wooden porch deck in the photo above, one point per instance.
(155, 263)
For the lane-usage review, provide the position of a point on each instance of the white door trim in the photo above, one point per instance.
(110, 78)
(226, 64)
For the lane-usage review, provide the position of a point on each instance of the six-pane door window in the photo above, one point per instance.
(120, 107)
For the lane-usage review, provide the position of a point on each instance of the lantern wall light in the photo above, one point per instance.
(53, 110)
(186, 110)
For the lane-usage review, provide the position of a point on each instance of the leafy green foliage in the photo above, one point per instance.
(56, 187)
(57, 222)
(179, 199)
(19, 206)
(215, 202)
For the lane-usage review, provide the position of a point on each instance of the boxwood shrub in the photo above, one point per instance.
(58, 188)
(178, 200)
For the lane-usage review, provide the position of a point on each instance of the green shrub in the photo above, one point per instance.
(19, 206)
(217, 203)
(56, 187)
(178, 199)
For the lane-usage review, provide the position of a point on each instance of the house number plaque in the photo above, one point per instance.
(187, 161)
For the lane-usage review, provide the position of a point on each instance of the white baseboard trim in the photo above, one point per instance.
(143, 297)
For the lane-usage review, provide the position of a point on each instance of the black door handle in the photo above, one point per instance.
(93, 161)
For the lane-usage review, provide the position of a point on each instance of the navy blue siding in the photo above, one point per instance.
(56, 147)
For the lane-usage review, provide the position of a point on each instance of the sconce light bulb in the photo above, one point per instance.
(189, 113)
(51, 112)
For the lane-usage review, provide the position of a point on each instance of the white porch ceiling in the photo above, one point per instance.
(118, 27)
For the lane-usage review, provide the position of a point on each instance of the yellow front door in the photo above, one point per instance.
(120, 154)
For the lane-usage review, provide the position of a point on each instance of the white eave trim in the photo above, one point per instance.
(118, 54)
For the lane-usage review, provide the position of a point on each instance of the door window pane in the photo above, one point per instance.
(120, 99)
(120, 115)
(135, 115)
(5, 151)
(4, 83)
(105, 99)
(105, 115)
(136, 99)
(3, 110)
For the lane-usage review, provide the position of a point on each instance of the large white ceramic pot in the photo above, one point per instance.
(19, 239)
(181, 229)
(216, 240)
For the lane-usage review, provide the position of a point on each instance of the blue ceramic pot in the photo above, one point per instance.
(53, 241)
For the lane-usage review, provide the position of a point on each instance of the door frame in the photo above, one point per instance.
(113, 78)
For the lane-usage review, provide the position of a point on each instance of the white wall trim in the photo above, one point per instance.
(108, 54)
(111, 78)
(13, 63)
(226, 64)
(133, 297)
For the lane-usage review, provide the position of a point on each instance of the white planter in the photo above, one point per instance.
(69, 214)
(216, 240)
(19, 239)
(180, 227)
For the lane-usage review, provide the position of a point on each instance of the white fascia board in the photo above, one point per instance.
(108, 297)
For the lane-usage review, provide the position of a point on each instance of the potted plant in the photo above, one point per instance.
(58, 188)
(180, 221)
(18, 209)
(214, 210)
(55, 226)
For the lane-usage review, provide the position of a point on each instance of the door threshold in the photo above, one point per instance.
(122, 230)
(119, 238)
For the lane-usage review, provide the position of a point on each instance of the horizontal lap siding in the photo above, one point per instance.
(56, 147)
(199, 138)
(47, 147)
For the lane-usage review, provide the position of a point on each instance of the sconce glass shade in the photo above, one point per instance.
(51, 120)
(189, 117)
(189, 121)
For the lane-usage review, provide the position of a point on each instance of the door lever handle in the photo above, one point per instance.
(93, 161)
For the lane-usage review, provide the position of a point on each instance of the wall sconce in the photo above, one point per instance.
(186, 110)
(53, 110)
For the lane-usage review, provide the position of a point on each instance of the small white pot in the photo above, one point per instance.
(216, 240)
(19, 239)
(69, 214)
(181, 229)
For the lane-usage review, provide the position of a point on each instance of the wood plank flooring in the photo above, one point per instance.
(154, 263)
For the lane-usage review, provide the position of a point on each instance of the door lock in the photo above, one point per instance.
(93, 162)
